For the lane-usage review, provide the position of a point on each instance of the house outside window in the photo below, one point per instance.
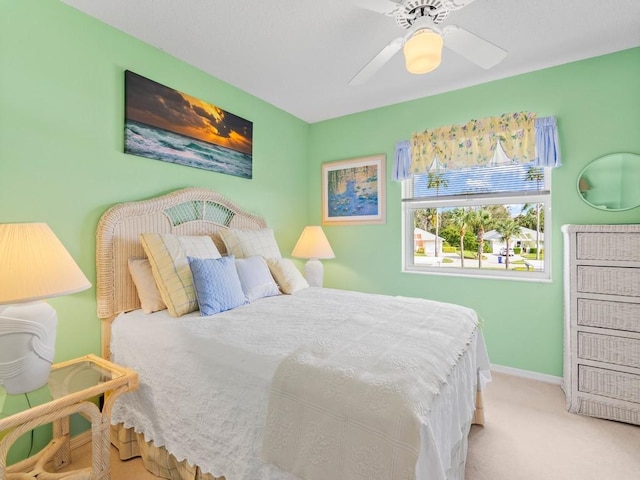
(489, 221)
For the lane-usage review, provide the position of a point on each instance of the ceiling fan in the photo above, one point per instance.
(422, 44)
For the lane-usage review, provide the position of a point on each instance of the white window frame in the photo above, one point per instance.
(472, 200)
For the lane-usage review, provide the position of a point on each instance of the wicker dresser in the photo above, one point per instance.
(602, 321)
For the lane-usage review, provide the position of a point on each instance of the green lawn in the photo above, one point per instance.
(470, 255)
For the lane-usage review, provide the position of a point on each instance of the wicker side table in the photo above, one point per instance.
(72, 384)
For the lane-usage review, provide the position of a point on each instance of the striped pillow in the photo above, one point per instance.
(167, 254)
(247, 243)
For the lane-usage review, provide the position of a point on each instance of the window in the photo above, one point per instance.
(483, 221)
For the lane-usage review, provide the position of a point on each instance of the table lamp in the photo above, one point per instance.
(313, 244)
(34, 265)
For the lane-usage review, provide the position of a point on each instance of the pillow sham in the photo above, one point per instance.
(148, 293)
(217, 284)
(247, 243)
(255, 278)
(287, 276)
(167, 254)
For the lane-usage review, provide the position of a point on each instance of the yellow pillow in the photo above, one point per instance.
(248, 243)
(167, 254)
(286, 275)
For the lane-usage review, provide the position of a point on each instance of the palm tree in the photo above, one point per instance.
(480, 220)
(536, 174)
(527, 217)
(423, 218)
(437, 181)
(507, 230)
(461, 218)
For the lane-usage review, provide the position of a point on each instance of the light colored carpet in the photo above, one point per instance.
(528, 436)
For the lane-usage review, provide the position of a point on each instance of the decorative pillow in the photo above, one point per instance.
(217, 284)
(167, 255)
(255, 278)
(247, 243)
(287, 276)
(150, 298)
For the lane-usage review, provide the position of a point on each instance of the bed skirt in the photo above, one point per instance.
(161, 463)
(156, 460)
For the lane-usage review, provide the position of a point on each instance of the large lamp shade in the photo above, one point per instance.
(34, 265)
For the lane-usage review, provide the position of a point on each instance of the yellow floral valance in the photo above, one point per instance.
(474, 143)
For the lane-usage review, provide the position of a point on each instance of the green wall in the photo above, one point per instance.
(597, 105)
(61, 141)
(61, 144)
(61, 162)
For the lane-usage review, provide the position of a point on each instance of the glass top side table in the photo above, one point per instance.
(72, 385)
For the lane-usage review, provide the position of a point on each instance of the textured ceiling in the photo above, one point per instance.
(299, 55)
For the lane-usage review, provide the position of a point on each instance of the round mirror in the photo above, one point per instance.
(611, 182)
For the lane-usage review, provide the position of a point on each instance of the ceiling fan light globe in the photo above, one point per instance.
(423, 51)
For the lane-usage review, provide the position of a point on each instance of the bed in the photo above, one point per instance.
(310, 383)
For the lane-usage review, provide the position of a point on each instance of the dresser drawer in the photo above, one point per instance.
(608, 246)
(609, 280)
(609, 349)
(609, 383)
(612, 412)
(614, 315)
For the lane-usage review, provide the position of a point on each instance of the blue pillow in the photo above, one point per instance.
(217, 284)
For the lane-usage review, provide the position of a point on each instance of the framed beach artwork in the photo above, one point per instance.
(353, 191)
(168, 125)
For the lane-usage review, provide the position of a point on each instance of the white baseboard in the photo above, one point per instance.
(516, 372)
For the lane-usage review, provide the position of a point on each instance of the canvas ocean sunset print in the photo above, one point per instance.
(165, 124)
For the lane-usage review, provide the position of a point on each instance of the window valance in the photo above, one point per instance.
(523, 138)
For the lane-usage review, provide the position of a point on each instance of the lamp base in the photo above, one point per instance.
(314, 272)
(27, 345)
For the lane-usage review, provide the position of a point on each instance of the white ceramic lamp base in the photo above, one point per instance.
(27, 345)
(314, 272)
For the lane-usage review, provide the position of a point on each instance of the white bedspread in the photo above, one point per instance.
(204, 381)
(351, 407)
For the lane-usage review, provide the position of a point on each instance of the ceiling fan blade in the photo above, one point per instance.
(475, 49)
(377, 62)
(385, 7)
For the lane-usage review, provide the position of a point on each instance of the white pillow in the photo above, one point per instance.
(150, 298)
(167, 254)
(287, 276)
(247, 243)
(255, 278)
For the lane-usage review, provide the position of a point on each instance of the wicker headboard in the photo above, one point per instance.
(190, 211)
